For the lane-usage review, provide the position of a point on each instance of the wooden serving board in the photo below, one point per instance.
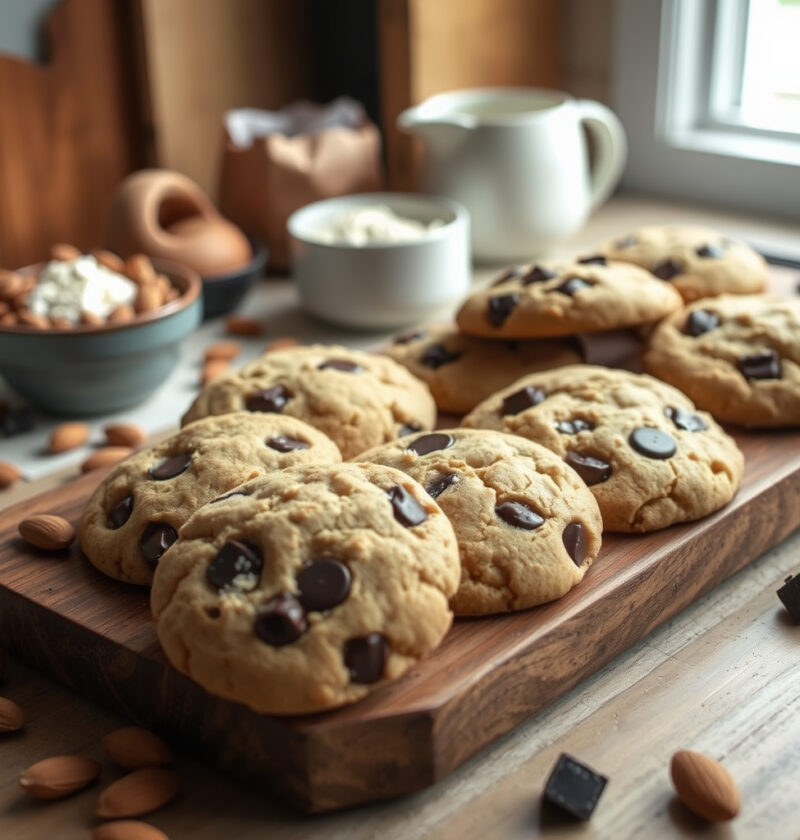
(96, 636)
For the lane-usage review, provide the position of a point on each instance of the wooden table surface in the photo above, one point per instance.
(720, 678)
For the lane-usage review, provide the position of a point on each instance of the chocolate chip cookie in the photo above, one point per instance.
(697, 261)
(737, 356)
(308, 588)
(358, 399)
(557, 298)
(649, 457)
(135, 514)
(527, 527)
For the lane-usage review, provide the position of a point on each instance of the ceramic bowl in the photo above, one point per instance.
(101, 369)
(224, 292)
(381, 285)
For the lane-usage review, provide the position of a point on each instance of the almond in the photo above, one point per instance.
(139, 268)
(106, 457)
(280, 344)
(68, 436)
(12, 717)
(239, 325)
(148, 299)
(127, 830)
(44, 530)
(59, 776)
(109, 260)
(89, 319)
(138, 793)
(704, 786)
(134, 748)
(63, 252)
(125, 434)
(124, 312)
(9, 319)
(10, 284)
(9, 474)
(31, 319)
(213, 369)
(227, 350)
(61, 323)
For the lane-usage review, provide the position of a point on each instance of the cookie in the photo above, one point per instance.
(737, 356)
(357, 399)
(556, 298)
(309, 588)
(649, 457)
(527, 527)
(697, 261)
(135, 514)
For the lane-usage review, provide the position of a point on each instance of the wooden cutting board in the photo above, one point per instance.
(96, 636)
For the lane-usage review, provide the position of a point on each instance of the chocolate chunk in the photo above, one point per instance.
(365, 657)
(437, 355)
(237, 565)
(156, 538)
(652, 442)
(714, 252)
(592, 470)
(500, 307)
(171, 467)
(595, 259)
(323, 584)
(439, 485)
(764, 365)
(16, 421)
(667, 269)
(120, 513)
(510, 274)
(626, 242)
(573, 787)
(574, 539)
(284, 443)
(519, 515)
(789, 594)
(520, 400)
(409, 429)
(343, 365)
(572, 285)
(270, 399)
(685, 420)
(572, 427)
(537, 274)
(408, 337)
(430, 443)
(700, 321)
(281, 621)
(407, 510)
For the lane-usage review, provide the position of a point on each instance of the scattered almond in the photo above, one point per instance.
(213, 369)
(148, 299)
(124, 312)
(9, 474)
(140, 269)
(10, 284)
(133, 748)
(127, 830)
(12, 718)
(704, 786)
(61, 323)
(110, 260)
(68, 436)
(59, 776)
(280, 344)
(106, 457)
(227, 350)
(63, 252)
(47, 531)
(27, 318)
(125, 434)
(89, 319)
(138, 793)
(239, 325)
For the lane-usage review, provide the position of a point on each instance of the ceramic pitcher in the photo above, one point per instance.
(518, 159)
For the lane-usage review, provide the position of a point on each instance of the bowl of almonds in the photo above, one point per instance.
(91, 333)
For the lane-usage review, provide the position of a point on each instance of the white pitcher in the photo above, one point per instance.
(517, 158)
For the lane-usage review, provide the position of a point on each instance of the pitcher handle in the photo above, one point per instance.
(611, 148)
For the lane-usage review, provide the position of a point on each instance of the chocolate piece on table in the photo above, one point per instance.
(323, 584)
(407, 510)
(573, 787)
(789, 594)
(430, 443)
(652, 443)
(524, 398)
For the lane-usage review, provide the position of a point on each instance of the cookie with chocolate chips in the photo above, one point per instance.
(357, 399)
(312, 589)
(461, 371)
(737, 356)
(697, 261)
(135, 514)
(648, 455)
(527, 527)
(563, 297)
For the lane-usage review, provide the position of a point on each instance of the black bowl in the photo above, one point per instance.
(223, 292)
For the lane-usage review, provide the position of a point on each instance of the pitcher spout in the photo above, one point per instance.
(442, 132)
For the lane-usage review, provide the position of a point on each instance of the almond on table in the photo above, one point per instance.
(12, 718)
(106, 457)
(9, 474)
(138, 793)
(133, 747)
(704, 786)
(127, 830)
(68, 436)
(213, 369)
(227, 350)
(239, 325)
(59, 776)
(125, 434)
(47, 531)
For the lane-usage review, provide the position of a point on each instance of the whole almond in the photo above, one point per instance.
(124, 312)
(106, 457)
(59, 776)
(63, 252)
(61, 323)
(125, 434)
(10, 284)
(148, 299)
(227, 350)
(127, 830)
(9, 319)
(133, 748)
(9, 474)
(172, 294)
(162, 281)
(68, 436)
(90, 319)
(138, 793)
(239, 325)
(27, 318)
(213, 369)
(12, 717)
(109, 260)
(704, 786)
(44, 530)
(139, 268)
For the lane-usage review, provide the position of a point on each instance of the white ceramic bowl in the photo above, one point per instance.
(381, 285)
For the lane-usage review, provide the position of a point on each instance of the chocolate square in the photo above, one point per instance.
(789, 594)
(573, 787)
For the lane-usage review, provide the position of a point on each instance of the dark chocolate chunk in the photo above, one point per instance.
(667, 269)
(500, 307)
(764, 365)
(408, 337)
(271, 399)
(520, 400)
(573, 787)
(592, 470)
(519, 515)
(344, 365)
(285, 443)
(789, 594)
(574, 539)
(430, 443)
(365, 657)
(652, 442)
(595, 259)
(120, 513)
(626, 242)
(16, 421)
(510, 274)
(281, 621)
(714, 252)
(572, 427)
(439, 485)
(572, 285)
(409, 429)
(237, 564)
(700, 321)
(156, 538)
(407, 510)
(537, 274)
(323, 584)
(685, 420)
(437, 355)
(170, 467)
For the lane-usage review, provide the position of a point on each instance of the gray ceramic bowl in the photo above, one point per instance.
(97, 370)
